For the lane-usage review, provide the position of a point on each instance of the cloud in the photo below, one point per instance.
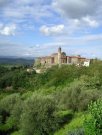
(77, 8)
(84, 45)
(8, 48)
(90, 22)
(83, 40)
(52, 30)
(4, 3)
(7, 30)
(79, 13)
(71, 19)
(26, 9)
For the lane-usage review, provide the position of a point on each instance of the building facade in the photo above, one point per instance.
(60, 58)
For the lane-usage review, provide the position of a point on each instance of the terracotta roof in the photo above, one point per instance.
(82, 58)
(76, 57)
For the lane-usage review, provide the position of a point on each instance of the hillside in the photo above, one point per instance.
(16, 61)
(51, 103)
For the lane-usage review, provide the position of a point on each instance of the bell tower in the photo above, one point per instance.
(59, 56)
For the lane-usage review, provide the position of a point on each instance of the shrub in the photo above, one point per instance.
(77, 96)
(10, 111)
(93, 125)
(38, 117)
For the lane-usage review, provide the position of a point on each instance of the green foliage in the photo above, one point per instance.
(20, 80)
(75, 123)
(43, 101)
(10, 110)
(38, 117)
(9, 101)
(6, 80)
(93, 125)
(78, 95)
(16, 133)
(3, 70)
(79, 131)
(64, 117)
(61, 76)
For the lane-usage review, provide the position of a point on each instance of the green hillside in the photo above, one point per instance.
(60, 101)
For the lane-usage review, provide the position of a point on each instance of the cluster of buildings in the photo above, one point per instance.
(60, 58)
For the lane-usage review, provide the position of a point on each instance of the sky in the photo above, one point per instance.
(33, 28)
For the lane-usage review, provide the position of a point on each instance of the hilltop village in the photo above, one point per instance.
(60, 58)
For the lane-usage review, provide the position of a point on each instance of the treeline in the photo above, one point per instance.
(42, 104)
(18, 77)
(14, 77)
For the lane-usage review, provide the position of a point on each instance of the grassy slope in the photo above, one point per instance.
(76, 122)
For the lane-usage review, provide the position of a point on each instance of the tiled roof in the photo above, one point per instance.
(76, 57)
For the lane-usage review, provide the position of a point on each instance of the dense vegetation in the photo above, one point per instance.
(60, 101)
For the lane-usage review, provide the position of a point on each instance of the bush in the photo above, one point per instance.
(10, 111)
(93, 125)
(38, 117)
(20, 80)
(77, 96)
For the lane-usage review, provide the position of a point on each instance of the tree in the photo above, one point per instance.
(78, 95)
(10, 111)
(38, 117)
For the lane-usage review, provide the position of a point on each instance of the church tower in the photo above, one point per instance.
(59, 56)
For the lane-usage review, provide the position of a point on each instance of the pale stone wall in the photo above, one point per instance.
(82, 60)
(56, 59)
(59, 56)
(64, 60)
(43, 61)
(74, 60)
(68, 60)
(48, 60)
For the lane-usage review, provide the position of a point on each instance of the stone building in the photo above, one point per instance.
(61, 58)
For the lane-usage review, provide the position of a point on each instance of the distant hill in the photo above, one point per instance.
(16, 61)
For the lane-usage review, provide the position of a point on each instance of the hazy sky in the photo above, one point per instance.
(30, 28)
